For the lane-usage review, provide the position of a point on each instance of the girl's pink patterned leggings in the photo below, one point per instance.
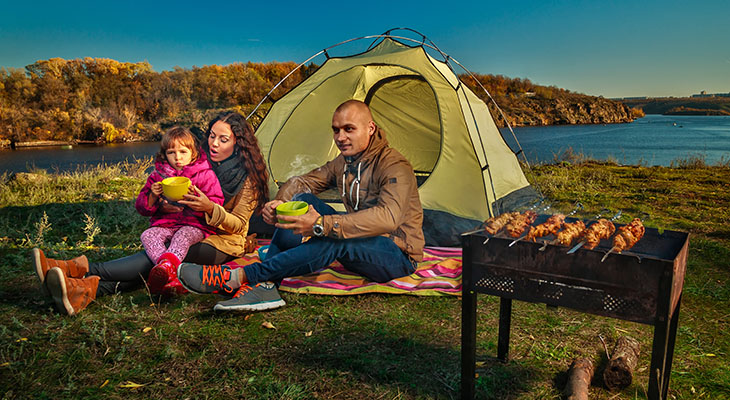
(154, 241)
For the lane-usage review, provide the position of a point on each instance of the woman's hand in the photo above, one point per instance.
(300, 224)
(268, 212)
(197, 201)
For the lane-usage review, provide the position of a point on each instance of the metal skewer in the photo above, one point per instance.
(532, 207)
(607, 253)
(527, 230)
(643, 216)
(578, 206)
(579, 245)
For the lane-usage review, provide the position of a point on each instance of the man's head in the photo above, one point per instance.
(352, 127)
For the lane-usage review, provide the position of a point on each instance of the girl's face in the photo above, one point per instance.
(221, 141)
(178, 155)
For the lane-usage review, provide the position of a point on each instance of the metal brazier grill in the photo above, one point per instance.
(643, 284)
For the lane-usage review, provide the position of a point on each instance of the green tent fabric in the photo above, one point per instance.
(464, 166)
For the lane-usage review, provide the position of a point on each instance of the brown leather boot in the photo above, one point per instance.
(74, 268)
(71, 294)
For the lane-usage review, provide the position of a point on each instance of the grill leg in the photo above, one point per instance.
(673, 323)
(468, 342)
(505, 320)
(658, 360)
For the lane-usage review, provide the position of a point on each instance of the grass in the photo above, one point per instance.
(361, 347)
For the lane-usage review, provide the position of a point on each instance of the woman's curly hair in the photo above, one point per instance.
(248, 149)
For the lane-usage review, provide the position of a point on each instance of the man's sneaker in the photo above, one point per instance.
(205, 279)
(263, 296)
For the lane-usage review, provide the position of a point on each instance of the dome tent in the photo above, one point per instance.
(466, 171)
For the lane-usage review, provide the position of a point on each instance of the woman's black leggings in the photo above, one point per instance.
(126, 273)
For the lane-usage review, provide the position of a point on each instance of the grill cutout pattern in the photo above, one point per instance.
(551, 291)
(616, 304)
(499, 283)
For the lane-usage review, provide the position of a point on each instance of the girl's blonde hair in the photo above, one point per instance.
(182, 135)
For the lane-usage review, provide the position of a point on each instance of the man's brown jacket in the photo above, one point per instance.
(379, 191)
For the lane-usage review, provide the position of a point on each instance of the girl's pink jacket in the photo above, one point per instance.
(201, 175)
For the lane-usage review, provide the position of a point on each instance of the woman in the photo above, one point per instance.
(237, 161)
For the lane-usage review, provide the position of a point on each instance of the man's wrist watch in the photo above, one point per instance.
(318, 228)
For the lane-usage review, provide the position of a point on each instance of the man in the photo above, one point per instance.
(380, 236)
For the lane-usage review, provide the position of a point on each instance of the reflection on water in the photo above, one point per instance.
(65, 158)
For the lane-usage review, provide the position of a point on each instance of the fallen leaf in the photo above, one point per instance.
(5, 364)
(709, 355)
(106, 382)
(247, 317)
(479, 364)
(268, 325)
(130, 384)
(621, 330)
(23, 339)
(147, 329)
(308, 333)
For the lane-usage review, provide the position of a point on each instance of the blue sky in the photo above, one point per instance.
(609, 48)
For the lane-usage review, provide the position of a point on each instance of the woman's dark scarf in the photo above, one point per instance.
(231, 174)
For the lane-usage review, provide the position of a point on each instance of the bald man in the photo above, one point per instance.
(379, 237)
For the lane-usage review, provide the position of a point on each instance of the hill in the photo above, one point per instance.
(103, 100)
(682, 105)
(525, 103)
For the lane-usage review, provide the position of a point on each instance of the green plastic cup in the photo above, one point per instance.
(291, 208)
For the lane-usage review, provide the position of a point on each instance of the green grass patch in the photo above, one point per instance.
(360, 347)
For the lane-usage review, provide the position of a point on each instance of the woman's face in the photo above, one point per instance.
(221, 141)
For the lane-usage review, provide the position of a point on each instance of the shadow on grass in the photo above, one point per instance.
(374, 354)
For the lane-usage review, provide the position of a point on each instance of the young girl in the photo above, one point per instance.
(179, 156)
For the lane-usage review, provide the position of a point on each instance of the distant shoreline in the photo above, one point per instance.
(6, 144)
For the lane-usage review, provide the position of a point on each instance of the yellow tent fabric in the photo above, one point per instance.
(435, 121)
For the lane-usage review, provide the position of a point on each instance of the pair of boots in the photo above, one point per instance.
(65, 281)
(163, 277)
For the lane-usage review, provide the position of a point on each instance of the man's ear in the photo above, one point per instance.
(371, 128)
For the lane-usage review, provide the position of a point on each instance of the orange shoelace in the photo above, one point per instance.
(245, 288)
(217, 276)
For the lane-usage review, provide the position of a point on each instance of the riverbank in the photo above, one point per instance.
(132, 346)
(7, 144)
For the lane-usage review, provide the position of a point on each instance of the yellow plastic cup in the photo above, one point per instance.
(175, 187)
(291, 208)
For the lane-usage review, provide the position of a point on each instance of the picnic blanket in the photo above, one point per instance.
(438, 274)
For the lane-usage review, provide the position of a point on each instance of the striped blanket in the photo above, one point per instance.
(438, 274)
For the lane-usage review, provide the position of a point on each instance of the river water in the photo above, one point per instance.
(652, 140)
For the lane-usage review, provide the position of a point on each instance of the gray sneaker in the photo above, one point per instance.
(263, 296)
(205, 279)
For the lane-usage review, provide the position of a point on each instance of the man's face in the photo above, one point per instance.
(352, 130)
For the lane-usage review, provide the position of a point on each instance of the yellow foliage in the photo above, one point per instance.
(110, 132)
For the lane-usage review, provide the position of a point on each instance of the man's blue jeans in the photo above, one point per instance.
(376, 258)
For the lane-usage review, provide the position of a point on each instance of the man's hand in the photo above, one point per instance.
(269, 211)
(197, 201)
(300, 224)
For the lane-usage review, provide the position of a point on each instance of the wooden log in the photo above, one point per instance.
(620, 369)
(579, 379)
